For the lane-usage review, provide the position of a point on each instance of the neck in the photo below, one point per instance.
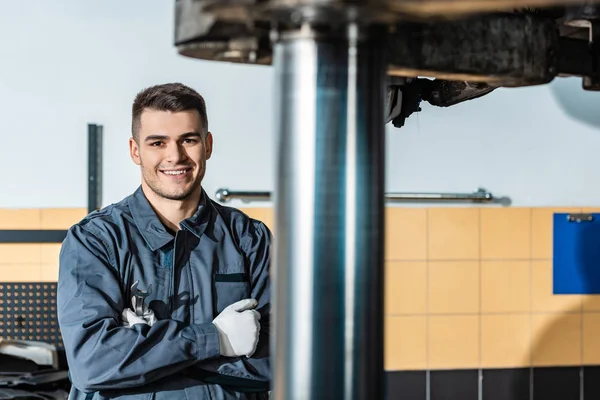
(172, 212)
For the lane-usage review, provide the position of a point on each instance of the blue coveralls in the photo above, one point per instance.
(219, 256)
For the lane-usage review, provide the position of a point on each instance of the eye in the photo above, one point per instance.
(155, 144)
(190, 141)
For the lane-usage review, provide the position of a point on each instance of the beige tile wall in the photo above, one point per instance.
(464, 288)
(472, 288)
(33, 262)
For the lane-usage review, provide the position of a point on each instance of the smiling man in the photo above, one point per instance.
(166, 294)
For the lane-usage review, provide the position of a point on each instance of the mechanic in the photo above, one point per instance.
(166, 294)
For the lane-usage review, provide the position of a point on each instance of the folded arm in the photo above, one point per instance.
(256, 245)
(102, 354)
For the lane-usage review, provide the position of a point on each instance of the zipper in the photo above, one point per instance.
(171, 296)
(189, 273)
(190, 277)
(188, 264)
(181, 236)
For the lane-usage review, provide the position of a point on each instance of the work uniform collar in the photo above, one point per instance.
(154, 232)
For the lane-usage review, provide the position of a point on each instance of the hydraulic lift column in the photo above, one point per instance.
(329, 207)
(330, 79)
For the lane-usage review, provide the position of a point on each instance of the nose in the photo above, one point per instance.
(175, 153)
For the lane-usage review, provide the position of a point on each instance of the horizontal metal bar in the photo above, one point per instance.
(32, 236)
(224, 195)
(479, 196)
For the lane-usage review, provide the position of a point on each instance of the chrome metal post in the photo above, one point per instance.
(329, 208)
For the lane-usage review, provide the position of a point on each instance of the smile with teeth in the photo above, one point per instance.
(176, 172)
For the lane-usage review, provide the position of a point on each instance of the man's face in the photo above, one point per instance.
(172, 152)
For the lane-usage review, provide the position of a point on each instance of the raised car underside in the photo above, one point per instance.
(443, 52)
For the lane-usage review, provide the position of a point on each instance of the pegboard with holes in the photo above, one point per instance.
(28, 312)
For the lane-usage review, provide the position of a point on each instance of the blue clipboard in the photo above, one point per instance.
(576, 253)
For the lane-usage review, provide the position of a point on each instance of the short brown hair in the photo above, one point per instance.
(174, 97)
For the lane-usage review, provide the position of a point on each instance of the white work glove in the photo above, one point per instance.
(130, 318)
(238, 328)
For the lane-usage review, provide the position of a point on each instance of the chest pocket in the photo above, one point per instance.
(229, 288)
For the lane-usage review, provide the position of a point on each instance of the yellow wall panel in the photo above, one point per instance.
(405, 343)
(590, 210)
(20, 253)
(505, 286)
(20, 219)
(505, 340)
(541, 230)
(453, 287)
(20, 272)
(543, 300)
(61, 218)
(405, 234)
(256, 213)
(591, 336)
(405, 287)
(453, 234)
(49, 272)
(505, 233)
(556, 339)
(270, 219)
(591, 302)
(453, 342)
(50, 253)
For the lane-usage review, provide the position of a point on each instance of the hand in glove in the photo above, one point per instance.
(130, 318)
(238, 328)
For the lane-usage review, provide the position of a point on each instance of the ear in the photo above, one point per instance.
(208, 145)
(134, 151)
